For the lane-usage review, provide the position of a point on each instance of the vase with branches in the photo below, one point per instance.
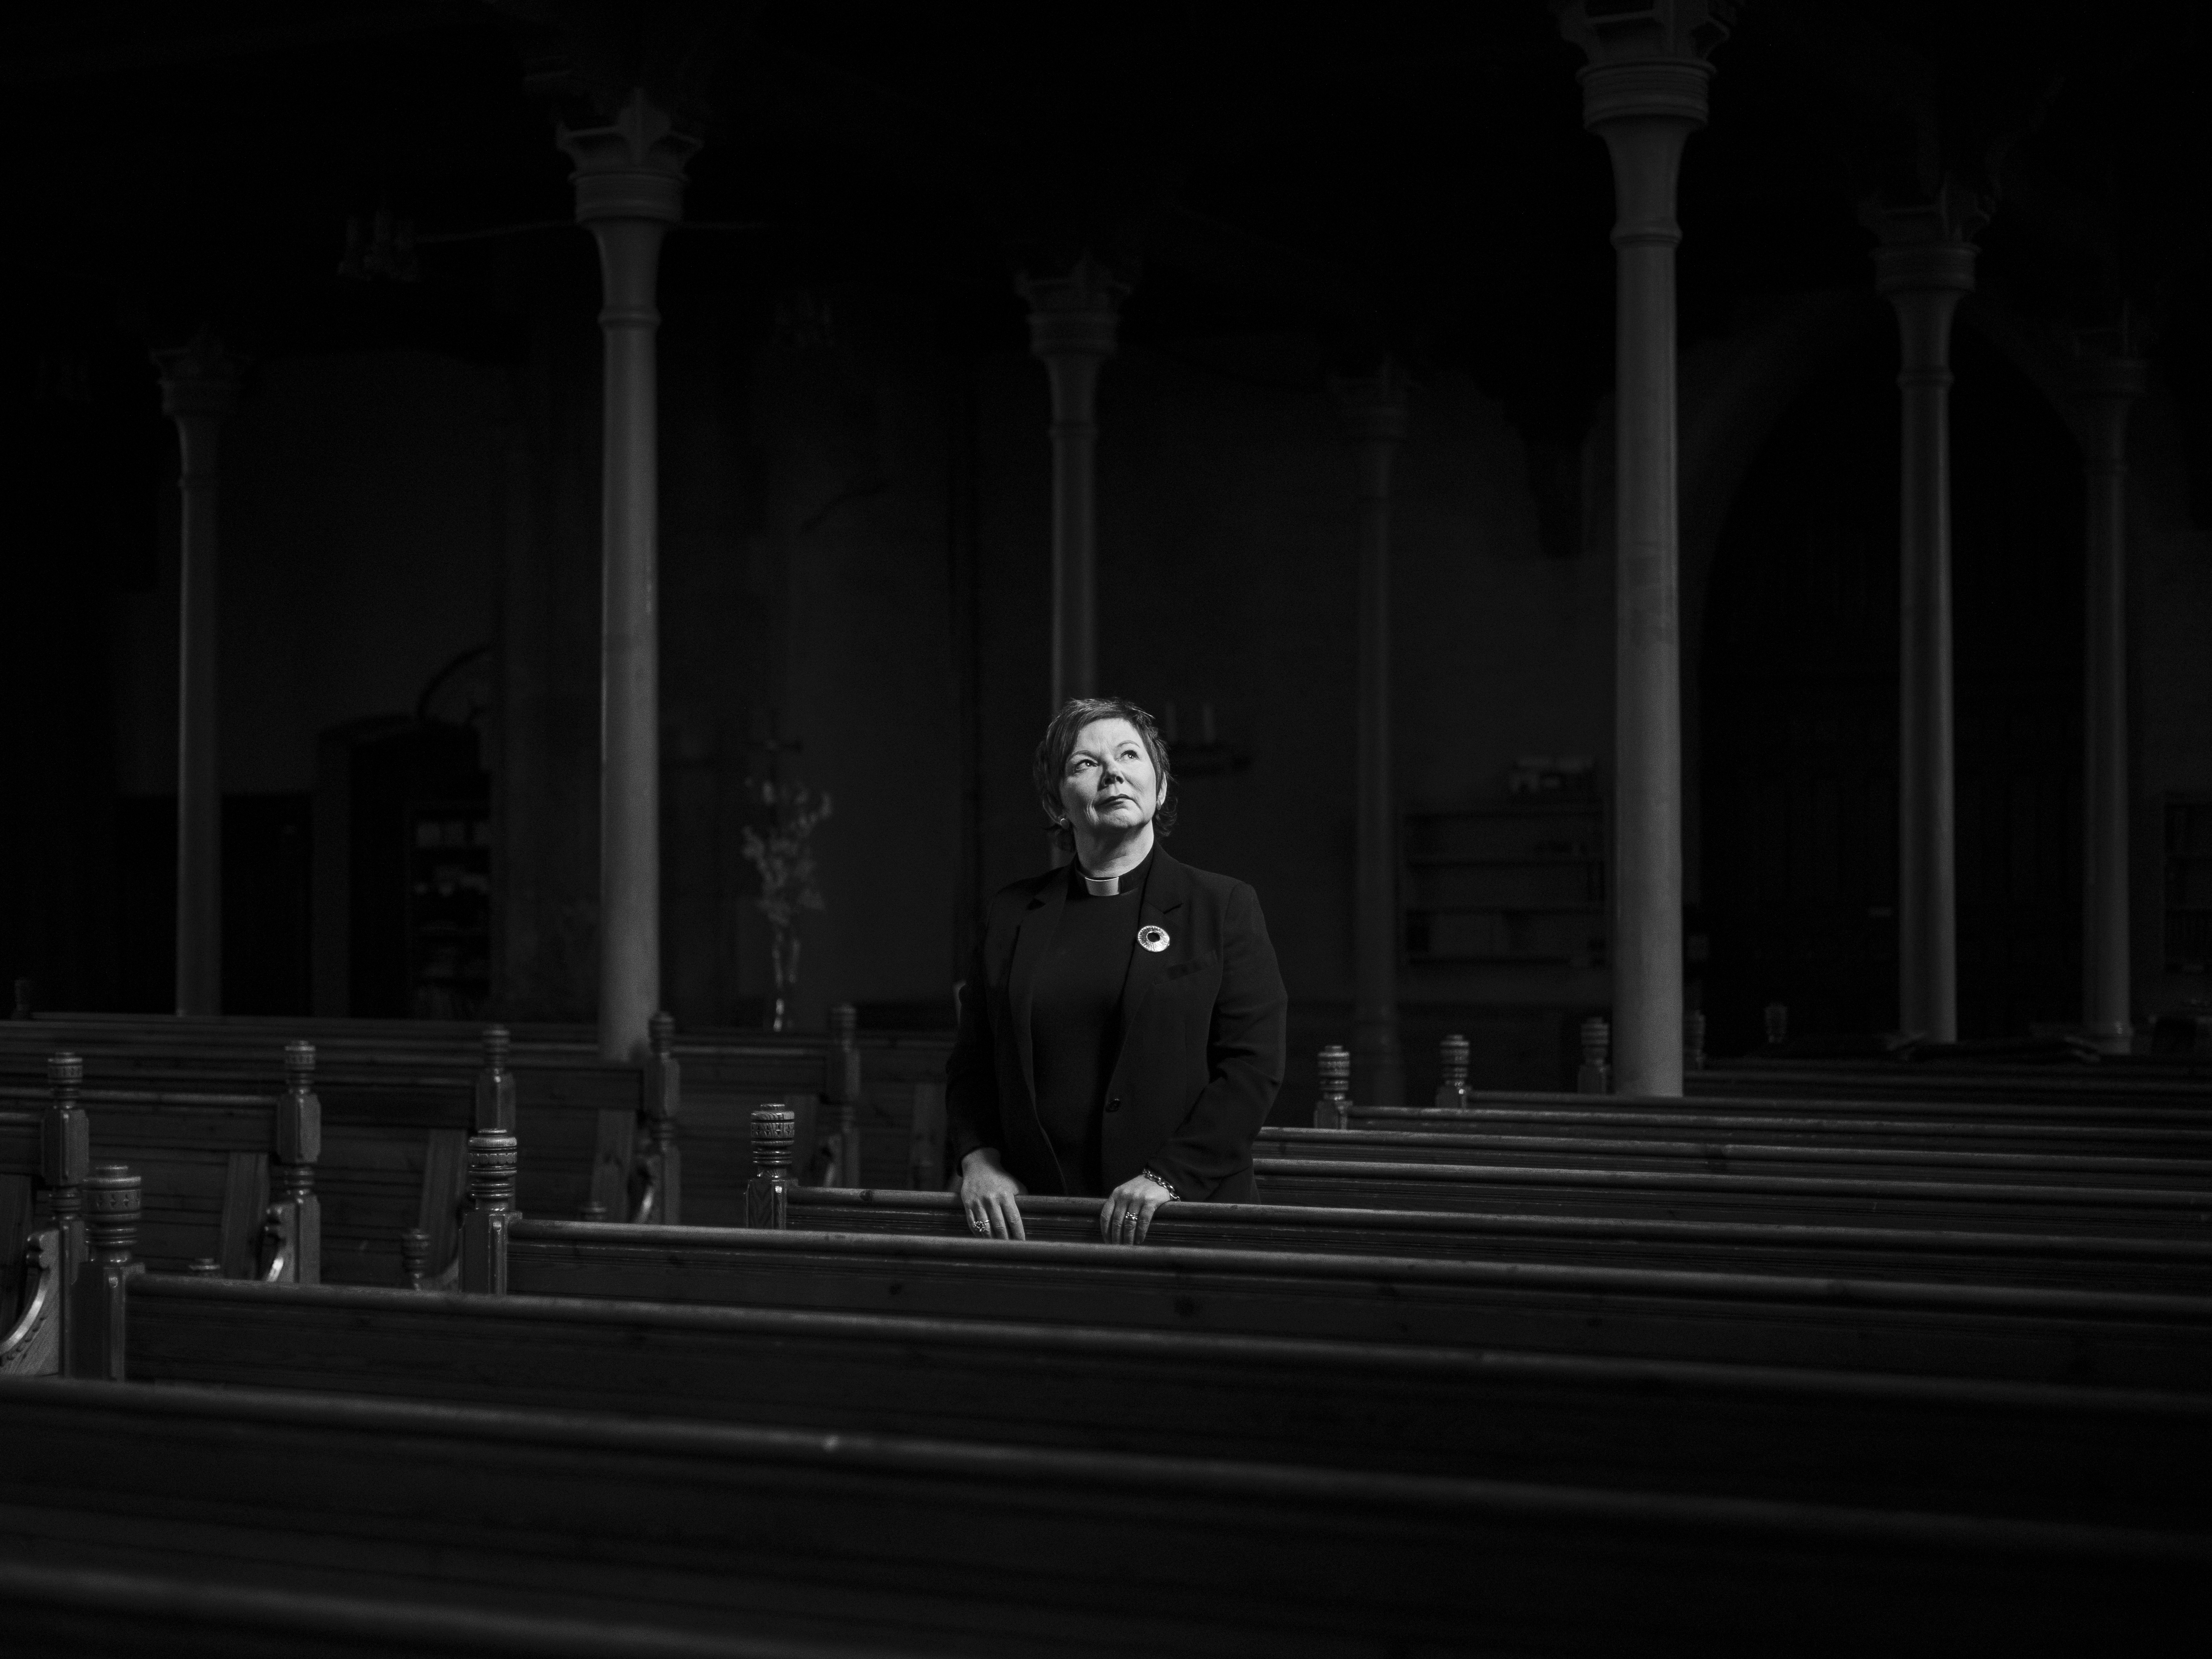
(786, 863)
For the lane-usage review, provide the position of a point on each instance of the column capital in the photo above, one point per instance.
(1373, 406)
(2107, 379)
(1076, 314)
(198, 378)
(2107, 367)
(1647, 57)
(633, 167)
(1927, 245)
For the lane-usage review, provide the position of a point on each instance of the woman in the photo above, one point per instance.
(1122, 1033)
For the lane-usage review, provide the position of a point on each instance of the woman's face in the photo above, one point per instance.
(1111, 788)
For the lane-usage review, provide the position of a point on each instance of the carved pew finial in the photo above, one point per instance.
(114, 1199)
(414, 1257)
(495, 1157)
(296, 1218)
(495, 1101)
(1778, 1023)
(1457, 1056)
(65, 1159)
(767, 1194)
(1595, 1076)
(1335, 1109)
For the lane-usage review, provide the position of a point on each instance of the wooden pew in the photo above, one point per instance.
(862, 1087)
(1629, 1308)
(393, 1124)
(2064, 1103)
(2108, 1457)
(1907, 1126)
(1998, 1333)
(53, 1607)
(1014, 1550)
(1660, 1150)
(2114, 1261)
(2110, 1084)
(1597, 1189)
(1556, 1305)
(232, 1177)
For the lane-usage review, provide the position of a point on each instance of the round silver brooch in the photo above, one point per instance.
(1153, 937)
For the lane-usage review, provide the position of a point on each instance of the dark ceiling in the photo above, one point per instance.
(1378, 177)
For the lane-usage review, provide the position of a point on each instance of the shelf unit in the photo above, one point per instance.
(1517, 883)
(2187, 901)
(449, 909)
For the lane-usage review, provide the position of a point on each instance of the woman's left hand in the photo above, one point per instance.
(1129, 1210)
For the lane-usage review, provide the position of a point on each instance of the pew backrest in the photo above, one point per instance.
(1598, 1189)
(2126, 1135)
(1997, 1333)
(961, 1548)
(1984, 1257)
(1661, 1149)
(2134, 1457)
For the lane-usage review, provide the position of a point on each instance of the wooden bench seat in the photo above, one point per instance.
(1776, 1245)
(1597, 1189)
(989, 1550)
(2001, 1333)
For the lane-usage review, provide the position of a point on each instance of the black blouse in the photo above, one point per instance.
(1076, 1021)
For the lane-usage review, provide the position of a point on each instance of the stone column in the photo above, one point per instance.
(1923, 264)
(1071, 327)
(199, 387)
(1644, 92)
(1374, 411)
(629, 189)
(2109, 382)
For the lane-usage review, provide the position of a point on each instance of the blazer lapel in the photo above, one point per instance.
(1165, 887)
(1039, 922)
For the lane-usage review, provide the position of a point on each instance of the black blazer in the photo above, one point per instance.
(1200, 1053)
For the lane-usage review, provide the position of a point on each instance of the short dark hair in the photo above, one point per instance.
(1059, 743)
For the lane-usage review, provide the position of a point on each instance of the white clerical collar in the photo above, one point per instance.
(1108, 886)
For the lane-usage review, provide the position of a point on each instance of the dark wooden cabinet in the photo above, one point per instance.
(1511, 883)
(2187, 903)
(449, 909)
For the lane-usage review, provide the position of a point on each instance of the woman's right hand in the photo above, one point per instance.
(988, 1194)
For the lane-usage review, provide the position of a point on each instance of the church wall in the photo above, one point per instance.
(849, 418)
(359, 532)
(546, 720)
(2170, 623)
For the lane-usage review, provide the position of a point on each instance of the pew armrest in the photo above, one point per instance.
(279, 1246)
(33, 1348)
